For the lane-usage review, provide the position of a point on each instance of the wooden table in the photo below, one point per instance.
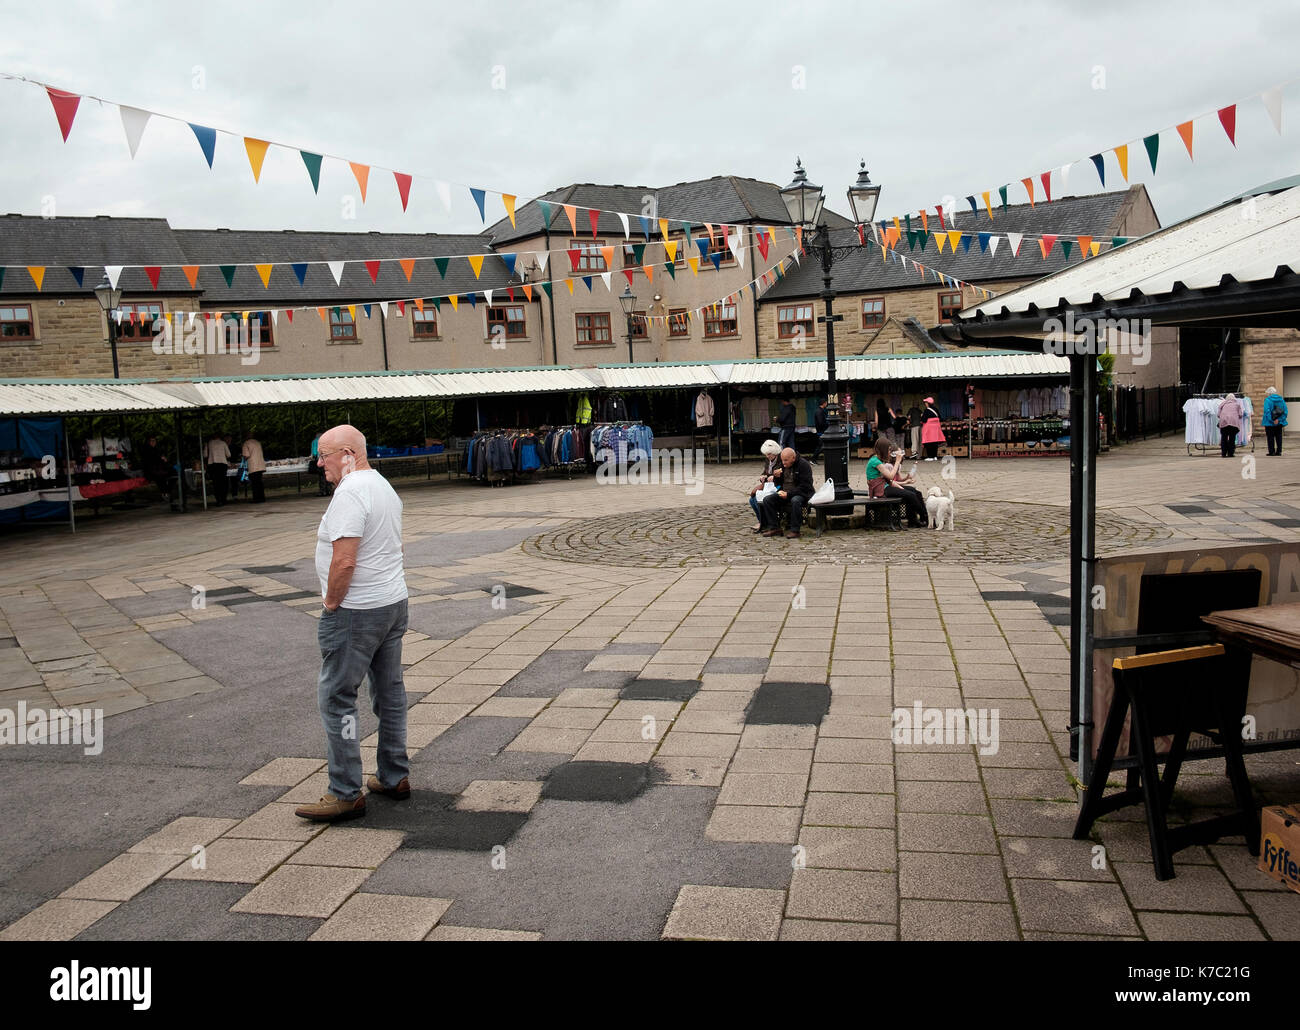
(1272, 631)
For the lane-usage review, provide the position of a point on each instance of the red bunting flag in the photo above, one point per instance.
(65, 109)
(861, 238)
(153, 272)
(401, 307)
(938, 210)
(289, 312)
(1029, 188)
(628, 272)
(373, 268)
(1227, 118)
(593, 215)
(1046, 179)
(1046, 244)
(761, 240)
(403, 187)
(574, 256)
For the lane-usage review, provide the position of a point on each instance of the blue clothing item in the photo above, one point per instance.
(356, 643)
(1274, 410)
(313, 447)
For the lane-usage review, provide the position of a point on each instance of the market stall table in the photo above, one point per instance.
(1272, 631)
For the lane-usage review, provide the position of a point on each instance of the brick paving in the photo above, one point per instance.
(662, 726)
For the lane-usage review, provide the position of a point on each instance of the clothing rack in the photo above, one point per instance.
(1194, 435)
(497, 456)
(564, 448)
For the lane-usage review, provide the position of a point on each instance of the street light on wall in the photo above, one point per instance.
(804, 202)
(627, 300)
(110, 300)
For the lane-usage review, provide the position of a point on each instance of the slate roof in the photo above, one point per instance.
(864, 270)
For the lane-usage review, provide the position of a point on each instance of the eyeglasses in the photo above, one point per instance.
(322, 455)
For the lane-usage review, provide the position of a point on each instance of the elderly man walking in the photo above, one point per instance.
(359, 562)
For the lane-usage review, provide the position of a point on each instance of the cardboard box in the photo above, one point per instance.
(958, 452)
(863, 452)
(1279, 848)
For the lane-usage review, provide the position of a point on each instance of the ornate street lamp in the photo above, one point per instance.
(804, 201)
(627, 300)
(110, 300)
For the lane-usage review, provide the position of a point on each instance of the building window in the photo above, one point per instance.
(141, 326)
(949, 304)
(264, 335)
(640, 325)
(510, 317)
(720, 320)
(794, 322)
(593, 328)
(342, 328)
(590, 258)
(16, 322)
(424, 324)
(719, 247)
(873, 312)
(678, 325)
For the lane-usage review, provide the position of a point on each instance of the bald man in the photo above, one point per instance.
(359, 562)
(794, 482)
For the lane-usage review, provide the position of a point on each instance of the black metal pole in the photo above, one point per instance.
(835, 441)
(112, 341)
(630, 359)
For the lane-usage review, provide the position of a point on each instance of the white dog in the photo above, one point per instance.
(939, 508)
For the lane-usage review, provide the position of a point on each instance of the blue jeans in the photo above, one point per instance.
(753, 503)
(355, 643)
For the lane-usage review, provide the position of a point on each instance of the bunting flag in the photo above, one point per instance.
(113, 272)
(455, 302)
(528, 292)
(1046, 179)
(1046, 244)
(228, 273)
(444, 193)
(479, 197)
(670, 248)
(312, 161)
(605, 278)
(441, 265)
(1100, 163)
(984, 242)
(336, 270)
(404, 190)
(408, 267)
(1002, 192)
(649, 273)
(1029, 188)
(593, 216)
(569, 284)
(207, 141)
(645, 226)
(299, 270)
(263, 271)
(627, 233)
(1065, 248)
(256, 150)
(1013, 241)
(925, 222)
(1121, 155)
(509, 260)
(373, 268)
(940, 239)
(133, 122)
(476, 263)
(65, 108)
(987, 206)
(1065, 177)
(37, 272)
(575, 255)
(78, 274)
(508, 200)
(545, 209)
(607, 253)
(953, 236)
(570, 212)
(362, 174)
(1085, 246)
(669, 268)
(1227, 118)
(628, 273)
(993, 245)
(1185, 131)
(1273, 105)
(1152, 143)
(586, 281)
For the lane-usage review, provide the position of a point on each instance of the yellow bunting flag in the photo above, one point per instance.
(940, 238)
(694, 264)
(569, 284)
(408, 266)
(954, 237)
(1094, 248)
(670, 248)
(455, 302)
(571, 212)
(352, 312)
(987, 206)
(663, 227)
(1121, 154)
(362, 172)
(256, 155)
(476, 263)
(509, 202)
(898, 227)
(264, 271)
(771, 233)
(192, 274)
(37, 273)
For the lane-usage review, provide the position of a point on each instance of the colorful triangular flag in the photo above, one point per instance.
(133, 122)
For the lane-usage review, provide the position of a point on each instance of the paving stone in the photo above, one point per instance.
(778, 760)
(700, 745)
(943, 834)
(844, 848)
(1194, 888)
(951, 877)
(960, 798)
(442, 932)
(382, 917)
(843, 895)
(935, 766)
(550, 741)
(819, 930)
(1057, 905)
(302, 890)
(1277, 911)
(697, 771)
(615, 751)
(1034, 818)
(181, 835)
(500, 796)
(956, 921)
(849, 778)
(1170, 926)
(725, 914)
(283, 772)
(1055, 858)
(876, 810)
(236, 861)
(511, 707)
(59, 919)
(804, 737)
(276, 821)
(348, 846)
(122, 878)
(754, 823)
(763, 789)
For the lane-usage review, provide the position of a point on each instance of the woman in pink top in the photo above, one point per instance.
(1230, 414)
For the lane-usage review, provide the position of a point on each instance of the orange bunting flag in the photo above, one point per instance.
(408, 266)
(256, 155)
(1046, 179)
(1029, 188)
(1084, 243)
(509, 202)
(37, 273)
(1121, 155)
(65, 109)
(476, 263)
(925, 221)
(419, 305)
(321, 312)
(649, 273)
(362, 173)
(608, 254)
(708, 226)
(954, 237)
(1185, 131)
(528, 291)
(264, 271)
(571, 211)
(192, 274)
(987, 206)
(403, 187)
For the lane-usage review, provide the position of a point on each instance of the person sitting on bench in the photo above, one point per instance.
(772, 461)
(887, 480)
(795, 488)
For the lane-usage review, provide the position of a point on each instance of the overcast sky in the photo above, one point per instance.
(941, 98)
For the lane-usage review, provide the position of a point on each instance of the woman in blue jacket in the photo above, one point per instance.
(1274, 419)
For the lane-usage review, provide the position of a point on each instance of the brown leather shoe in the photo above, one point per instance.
(330, 809)
(792, 536)
(401, 792)
(771, 532)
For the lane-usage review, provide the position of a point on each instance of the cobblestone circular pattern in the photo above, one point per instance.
(711, 535)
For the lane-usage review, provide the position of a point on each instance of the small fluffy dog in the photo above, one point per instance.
(939, 508)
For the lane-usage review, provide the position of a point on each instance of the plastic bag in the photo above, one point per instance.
(825, 493)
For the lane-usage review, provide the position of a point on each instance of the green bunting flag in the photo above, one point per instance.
(1152, 143)
(1065, 248)
(441, 265)
(312, 161)
(1118, 241)
(437, 304)
(1002, 192)
(547, 287)
(668, 266)
(229, 272)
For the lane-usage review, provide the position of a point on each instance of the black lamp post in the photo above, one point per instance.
(110, 300)
(804, 201)
(627, 299)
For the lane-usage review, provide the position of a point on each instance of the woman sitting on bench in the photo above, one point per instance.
(886, 480)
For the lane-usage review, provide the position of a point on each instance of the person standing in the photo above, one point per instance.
(884, 420)
(820, 420)
(795, 489)
(785, 420)
(1273, 419)
(1230, 412)
(158, 470)
(218, 462)
(252, 453)
(931, 430)
(363, 584)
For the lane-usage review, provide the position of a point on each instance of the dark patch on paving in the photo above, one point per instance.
(1282, 523)
(1187, 509)
(170, 910)
(445, 549)
(267, 570)
(660, 690)
(554, 671)
(59, 869)
(444, 620)
(736, 665)
(486, 584)
(429, 822)
(1043, 600)
(454, 777)
(618, 782)
(160, 602)
(8, 642)
(1058, 618)
(473, 739)
(590, 870)
(788, 704)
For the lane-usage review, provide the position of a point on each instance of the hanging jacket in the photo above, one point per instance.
(584, 411)
(1274, 413)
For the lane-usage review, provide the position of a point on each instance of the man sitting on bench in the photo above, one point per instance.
(794, 481)
(886, 480)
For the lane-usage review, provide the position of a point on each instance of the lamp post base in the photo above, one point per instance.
(835, 454)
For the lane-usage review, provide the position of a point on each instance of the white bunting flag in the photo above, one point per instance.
(1013, 241)
(627, 234)
(487, 295)
(336, 270)
(605, 276)
(114, 273)
(383, 306)
(541, 257)
(993, 245)
(275, 319)
(444, 194)
(1273, 104)
(133, 121)
(189, 320)
(1065, 177)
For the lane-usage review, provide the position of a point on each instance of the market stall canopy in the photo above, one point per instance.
(72, 397)
(659, 376)
(1235, 264)
(892, 367)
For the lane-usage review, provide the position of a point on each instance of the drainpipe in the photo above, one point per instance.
(550, 295)
(383, 335)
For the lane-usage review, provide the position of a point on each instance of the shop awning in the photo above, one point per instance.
(42, 397)
(658, 376)
(893, 367)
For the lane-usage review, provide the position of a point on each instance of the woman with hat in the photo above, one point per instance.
(931, 431)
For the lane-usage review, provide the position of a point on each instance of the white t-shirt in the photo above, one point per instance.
(365, 506)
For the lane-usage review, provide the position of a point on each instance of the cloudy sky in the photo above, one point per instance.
(946, 98)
